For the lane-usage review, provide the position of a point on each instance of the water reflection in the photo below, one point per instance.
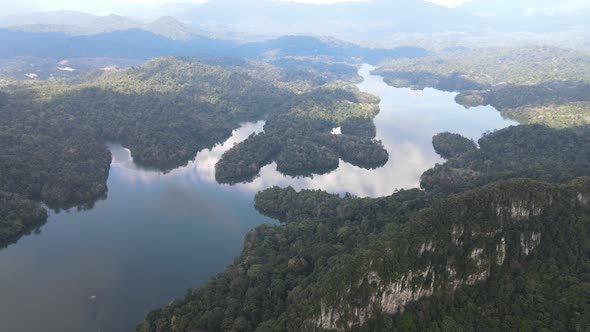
(406, 124)
(104, 269)
(158, 234)
(201, 169)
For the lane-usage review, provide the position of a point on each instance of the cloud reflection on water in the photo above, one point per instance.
(406, 124)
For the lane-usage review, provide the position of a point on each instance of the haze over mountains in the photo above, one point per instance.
(372, 23)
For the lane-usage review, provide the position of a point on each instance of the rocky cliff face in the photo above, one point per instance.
(463, 244)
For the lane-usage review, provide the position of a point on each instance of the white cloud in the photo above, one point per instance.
(449, 3)
(546, 7)
(324, 2)
(108, 6)
(157, 3)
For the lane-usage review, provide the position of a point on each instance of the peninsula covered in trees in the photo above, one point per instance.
(301, 141)
(449, 145)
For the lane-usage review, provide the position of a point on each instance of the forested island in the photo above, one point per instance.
(545, 85)
(495, 254)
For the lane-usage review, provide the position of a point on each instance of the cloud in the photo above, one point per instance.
(107, 6)
(546, 7)
(157, 3)
(449, 3)
(324, 2)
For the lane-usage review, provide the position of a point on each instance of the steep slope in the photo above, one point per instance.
(412, 261)
(459, 242)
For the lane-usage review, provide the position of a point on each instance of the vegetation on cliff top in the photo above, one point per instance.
(327, 265)
(338, 253)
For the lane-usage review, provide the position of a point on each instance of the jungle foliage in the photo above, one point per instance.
(53, 133)
(18, 216)
(543, 85)
(449, 145)
(301, 142)
(528, 151)
(338, 252)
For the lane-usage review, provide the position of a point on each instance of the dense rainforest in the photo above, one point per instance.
(53, 133)
(531, 151)
(494, 255)
(302, 146)
(18, 216)
(449, 145)
(497, 235)
(544, 85)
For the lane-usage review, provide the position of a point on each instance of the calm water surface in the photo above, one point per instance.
(156, 235)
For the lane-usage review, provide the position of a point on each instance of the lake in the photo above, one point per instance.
(156, 235)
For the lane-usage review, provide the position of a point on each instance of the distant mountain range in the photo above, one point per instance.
(141, 44)
(371, 21)
(85, 24)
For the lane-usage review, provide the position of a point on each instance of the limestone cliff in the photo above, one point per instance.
(455, 244)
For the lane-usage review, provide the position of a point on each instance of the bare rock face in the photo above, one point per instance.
(583, 199)
(529, 242)
(501, 252)
(470, 248)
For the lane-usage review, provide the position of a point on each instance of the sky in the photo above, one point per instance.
(546, 7)
(104, 6)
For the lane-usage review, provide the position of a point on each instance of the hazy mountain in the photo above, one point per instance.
(377, 17)
(377, 22)
(269, 18)
(141, 44)
(265, 16)
(86, 24)
(170, 27)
